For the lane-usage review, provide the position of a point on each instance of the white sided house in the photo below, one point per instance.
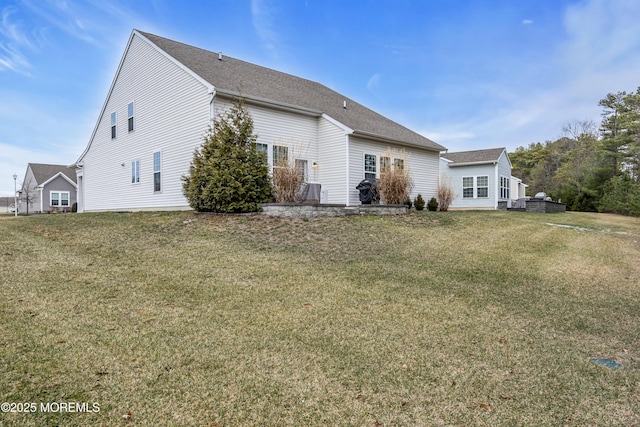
(480, 179)
(166, 94)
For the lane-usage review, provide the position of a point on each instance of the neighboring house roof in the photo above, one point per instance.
(476, 157)
(44, 172)
(233, 77)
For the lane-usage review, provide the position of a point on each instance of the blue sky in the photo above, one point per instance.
(468, 74)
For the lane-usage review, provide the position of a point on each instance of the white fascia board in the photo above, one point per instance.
(504, 153)
(70, 181)
(266, 102)
(456, 165)
(209, 86)
(341, 125)
(135, 33)
(380, 138)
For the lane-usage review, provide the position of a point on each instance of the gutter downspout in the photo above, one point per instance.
(497, 187)
(41, 201)
(212, 110)
(346, 138)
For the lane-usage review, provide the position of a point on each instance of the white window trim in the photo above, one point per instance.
(475, 187)
(392, 162)
(157, 171)
(60, 193)
(132, 116)
(113, 129)
(273, 155)
(135, 173)
(304, 165)
(505, 187)
(376, 172)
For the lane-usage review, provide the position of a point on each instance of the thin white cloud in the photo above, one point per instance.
(527, 22)
(448, 135)
(263, 23)
(603, 36)
(374, 82)
(13, 39)
(598, 54)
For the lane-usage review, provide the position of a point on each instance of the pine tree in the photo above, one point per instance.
(228, 174)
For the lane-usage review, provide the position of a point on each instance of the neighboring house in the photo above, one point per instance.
(166, 94)
(47, 188)
(518, 188)
(480, 179)
(6, 204)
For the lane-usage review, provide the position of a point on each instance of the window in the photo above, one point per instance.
(113, 125)
(130, 116)
(262, 148)
(59, 198)
(280, 156)
(135, 171)
(505, 187)
(301, 165)
(399, 164)
(385, 163)
(157, 172)
(467, 187)
(482, 183)
(370, 166)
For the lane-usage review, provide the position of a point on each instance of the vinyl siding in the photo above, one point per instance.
(273, 127)
(171, 115)
(504, 169)
(58, 184)
(332, 173)
(34, 202)
(423, 165)
(457, 173)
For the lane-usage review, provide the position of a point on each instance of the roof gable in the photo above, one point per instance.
(491, 155)
(44, 173)
(235, 77)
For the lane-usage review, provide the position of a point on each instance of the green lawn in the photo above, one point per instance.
(428, 319)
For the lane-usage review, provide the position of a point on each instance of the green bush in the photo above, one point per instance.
(408, 202)
(419, 203)
(228, 174)
(432, 205)
(621, 196)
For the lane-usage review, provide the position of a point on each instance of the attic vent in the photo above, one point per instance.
(219, 56)
(344, 104)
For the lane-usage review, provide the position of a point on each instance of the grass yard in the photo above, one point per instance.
(428, 319)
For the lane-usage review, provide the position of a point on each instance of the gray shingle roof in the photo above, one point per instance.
(234, 75)
(43, 172)
(476, 156)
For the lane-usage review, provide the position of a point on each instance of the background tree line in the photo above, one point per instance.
(591, 168)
